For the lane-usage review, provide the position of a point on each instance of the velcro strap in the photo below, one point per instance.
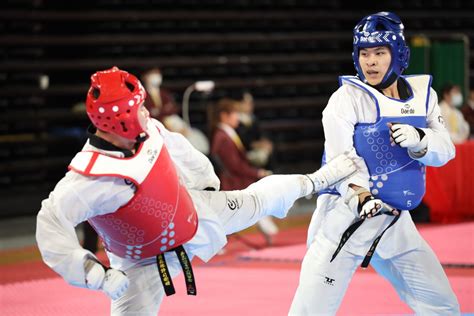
(365, 201)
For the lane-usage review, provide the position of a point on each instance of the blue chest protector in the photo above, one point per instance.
(395, 177)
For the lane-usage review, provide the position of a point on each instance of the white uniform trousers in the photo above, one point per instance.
(417, 276)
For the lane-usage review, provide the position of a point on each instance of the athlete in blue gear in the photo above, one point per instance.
(392, 125)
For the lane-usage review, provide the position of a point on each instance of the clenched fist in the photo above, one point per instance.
(112, 281)
(407, 136)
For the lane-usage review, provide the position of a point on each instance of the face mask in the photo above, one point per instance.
(245, 118)
(155, 80)
(456, 100)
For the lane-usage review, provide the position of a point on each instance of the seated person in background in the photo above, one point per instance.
(159, 102)
(234, 169)
(259, 148)
(454, 120)
(468, 110)
(162, 106)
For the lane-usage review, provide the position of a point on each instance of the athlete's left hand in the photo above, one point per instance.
(112, 281)
(115, 283)
(407, 136)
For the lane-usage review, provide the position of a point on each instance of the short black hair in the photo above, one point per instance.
(447, 87)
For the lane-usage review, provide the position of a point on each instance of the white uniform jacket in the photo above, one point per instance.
(77, 198)
(348, 106)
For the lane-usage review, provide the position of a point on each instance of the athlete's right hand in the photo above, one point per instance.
(371, 206)
(112, 281)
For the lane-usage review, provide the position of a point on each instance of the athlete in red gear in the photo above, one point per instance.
(153, 199)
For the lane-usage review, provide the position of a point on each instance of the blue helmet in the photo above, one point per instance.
(382, 29)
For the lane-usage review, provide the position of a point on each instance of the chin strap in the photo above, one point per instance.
(141, 138)
(387, 83)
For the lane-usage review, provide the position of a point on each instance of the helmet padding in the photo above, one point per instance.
(113, 102)
(382, 29)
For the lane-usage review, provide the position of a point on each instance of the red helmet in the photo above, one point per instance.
(113, 101)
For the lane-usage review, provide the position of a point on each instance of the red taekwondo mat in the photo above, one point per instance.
(453, 244)
(222, 291)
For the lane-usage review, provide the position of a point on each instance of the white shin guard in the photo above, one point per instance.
(272, 195)
(275, 194)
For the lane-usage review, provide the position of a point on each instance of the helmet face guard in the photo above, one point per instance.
(113, 101)
(382, 29)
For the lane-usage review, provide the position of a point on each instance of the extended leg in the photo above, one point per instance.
(272, 195)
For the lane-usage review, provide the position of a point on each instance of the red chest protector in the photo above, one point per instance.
(160, 216)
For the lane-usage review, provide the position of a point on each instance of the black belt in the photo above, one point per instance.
(370, 253)
(351, 230)
(185, 265)
(346, 235)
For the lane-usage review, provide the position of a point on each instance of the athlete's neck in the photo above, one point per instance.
(392, 91)
(116, 140)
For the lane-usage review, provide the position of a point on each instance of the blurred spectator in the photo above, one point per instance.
(159, 102)
(454, 120)
(468, 111)
(259, 148)
(162, 106)
(228, 152)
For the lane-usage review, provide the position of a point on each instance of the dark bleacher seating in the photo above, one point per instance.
(288, 53)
